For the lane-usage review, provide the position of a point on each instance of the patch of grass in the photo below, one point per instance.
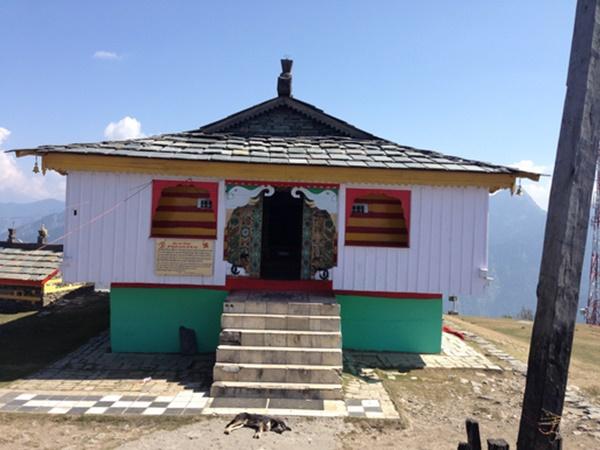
(586, 344)
(513, 336)
(30, 341)
(593, 392)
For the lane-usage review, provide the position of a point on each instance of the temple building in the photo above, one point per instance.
(279, 234)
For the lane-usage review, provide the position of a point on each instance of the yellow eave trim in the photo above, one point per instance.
(66, 162)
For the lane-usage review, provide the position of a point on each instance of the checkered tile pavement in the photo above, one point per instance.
(370, 409)
(184, 403)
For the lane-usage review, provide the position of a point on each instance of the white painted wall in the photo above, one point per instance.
(448, 246)
(108, 240)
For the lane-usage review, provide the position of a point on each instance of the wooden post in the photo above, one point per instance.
(473, 434)
(564, 240)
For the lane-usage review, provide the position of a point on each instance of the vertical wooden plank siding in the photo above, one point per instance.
(480, 217)
(448, 246)
(109, 237)
(414, 236)
(108, 240)
(425, 239)
(69, 239)
(445, 258)
(434, 269)
(456, 215)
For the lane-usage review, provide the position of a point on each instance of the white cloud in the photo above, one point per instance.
(4, 133)
(126, 128)
(106, 55)
(17, 185)
(528, 165)
(539, 191)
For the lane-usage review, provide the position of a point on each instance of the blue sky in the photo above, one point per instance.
(478, 79)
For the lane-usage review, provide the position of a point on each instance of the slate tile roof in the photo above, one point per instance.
(28, 265)
(282, 130)
(334, 151)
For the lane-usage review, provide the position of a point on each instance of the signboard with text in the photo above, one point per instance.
(183, 257)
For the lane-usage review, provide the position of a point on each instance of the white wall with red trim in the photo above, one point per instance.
(108, 241)
(447, 246)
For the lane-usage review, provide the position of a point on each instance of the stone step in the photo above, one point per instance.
(276, 390)
(277, 373)
(280, 322)
(282, 308)
(281, 338)
(279, 355)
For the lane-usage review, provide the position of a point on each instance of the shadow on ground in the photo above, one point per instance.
(31, 341)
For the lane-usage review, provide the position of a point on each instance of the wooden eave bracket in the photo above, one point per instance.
(28, 152)
(530, 175)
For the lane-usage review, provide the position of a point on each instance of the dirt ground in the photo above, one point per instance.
(27, 431)
(437, 402)
(45, 432)
(434, 404)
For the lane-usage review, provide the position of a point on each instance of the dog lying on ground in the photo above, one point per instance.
(257, 422)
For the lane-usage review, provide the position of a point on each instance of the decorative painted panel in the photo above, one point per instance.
(243, 238)
(243, 234)
(319, 246)
(319, 234)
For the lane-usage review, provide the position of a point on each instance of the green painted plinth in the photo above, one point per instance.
(390, 324)
(147, 320)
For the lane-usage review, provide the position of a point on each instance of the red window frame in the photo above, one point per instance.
(211, 187)
(402, 195)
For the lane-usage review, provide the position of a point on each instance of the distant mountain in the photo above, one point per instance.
(27, 218)
(516, 236)
(54, 223)
(32, 210)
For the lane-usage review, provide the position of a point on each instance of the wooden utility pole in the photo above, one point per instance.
(564, 240)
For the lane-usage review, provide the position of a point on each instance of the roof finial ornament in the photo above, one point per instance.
(284, 82)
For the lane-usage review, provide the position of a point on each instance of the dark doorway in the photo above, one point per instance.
(281, 236)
